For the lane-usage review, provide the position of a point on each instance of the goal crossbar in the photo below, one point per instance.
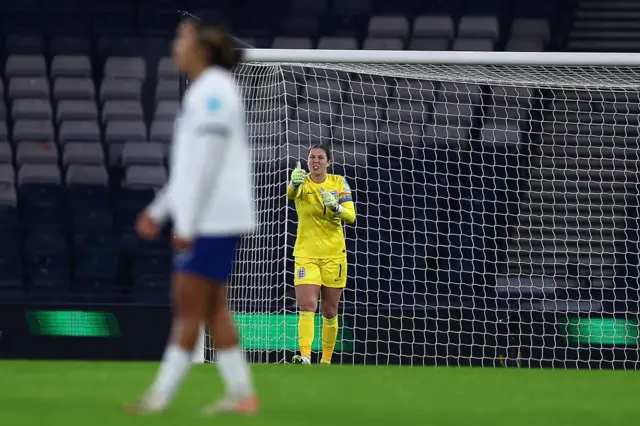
(444, 57)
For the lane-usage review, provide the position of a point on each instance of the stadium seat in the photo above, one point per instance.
(473, 44)
(82, 153)
(434, 27)
(125, 68)
(292, 43)
(113, 111)
(168, 90)
(36, 153)
(32, 109)
(70, 66)
(167, 70)
(33, 130)
(120, 89)
(389, 27)
(522, 44)
(378, 43)
(142, 153)
(79, 131)
(73, 88)
(28, 88)
(6, 153)
(537, 29)
(339, 43)
(482, 27)
(76, 110)
(25, 66)
(167, 110)
(429, 44)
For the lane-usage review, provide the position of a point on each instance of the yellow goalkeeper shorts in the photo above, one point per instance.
(323, 272)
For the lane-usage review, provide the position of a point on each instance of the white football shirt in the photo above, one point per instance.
(209, 192)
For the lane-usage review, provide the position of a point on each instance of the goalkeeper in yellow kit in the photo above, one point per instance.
(323, 202)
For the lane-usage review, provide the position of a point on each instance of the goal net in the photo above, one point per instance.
(497, 205)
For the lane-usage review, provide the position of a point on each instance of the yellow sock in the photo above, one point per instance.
(329, 337)
(305, 333)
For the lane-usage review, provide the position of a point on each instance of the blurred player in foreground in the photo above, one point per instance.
(323, 202)
(209, 197)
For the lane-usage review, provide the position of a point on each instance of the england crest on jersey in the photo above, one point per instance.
(302, 272)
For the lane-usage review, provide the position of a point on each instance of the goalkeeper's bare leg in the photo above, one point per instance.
(307, 299)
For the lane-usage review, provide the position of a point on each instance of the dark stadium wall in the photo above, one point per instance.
(451, 337)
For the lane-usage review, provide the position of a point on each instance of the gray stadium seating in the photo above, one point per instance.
(82, 153)
(28, 88)
(337, 43)
(31, 109)
(434, 27)
(122, 111)
(79, 131)
(76, 110)
(389, 27)
(125, 68)
(71, 66)
(120, 89)
(73, 88)
(36, 153)
(25, 66)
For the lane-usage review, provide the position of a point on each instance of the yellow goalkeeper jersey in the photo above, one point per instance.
(320, 234)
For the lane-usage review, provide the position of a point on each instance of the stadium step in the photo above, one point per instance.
(604, 45)
(611, 5)
(608, 14)
(594, 117)
(564, 210)
(578, 175)
(571, 188)
(554, 249)
(605, 35)
(607, 25)
(555, 270)
(592, 141)
(585, 198)
(594, 165)
(596, 222)
(595, 98)
(595, 129)
(602, 235)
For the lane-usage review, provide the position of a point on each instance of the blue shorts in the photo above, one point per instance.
(210, 257)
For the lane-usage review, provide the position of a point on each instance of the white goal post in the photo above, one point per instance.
(497, 200)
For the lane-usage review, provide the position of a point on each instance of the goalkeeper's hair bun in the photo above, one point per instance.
(326, 149)
(214, 33)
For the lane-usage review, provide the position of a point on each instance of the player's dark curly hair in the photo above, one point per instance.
(326, 149)
(213, 32)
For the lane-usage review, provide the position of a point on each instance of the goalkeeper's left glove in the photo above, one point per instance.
(330, 202)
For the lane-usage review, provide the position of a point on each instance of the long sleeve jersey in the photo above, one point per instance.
(209, 191)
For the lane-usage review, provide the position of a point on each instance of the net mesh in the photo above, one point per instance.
(497, 211)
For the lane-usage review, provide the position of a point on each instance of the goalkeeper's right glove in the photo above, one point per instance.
(297, 176)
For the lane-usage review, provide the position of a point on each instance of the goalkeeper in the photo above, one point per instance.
(323, 202)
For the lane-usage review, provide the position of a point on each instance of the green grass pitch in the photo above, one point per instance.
(93, 394)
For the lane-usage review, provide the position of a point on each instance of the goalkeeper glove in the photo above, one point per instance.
(297, 176)
(330, 202)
